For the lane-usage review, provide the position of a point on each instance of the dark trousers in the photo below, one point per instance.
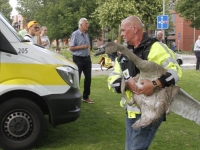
(197, 54)
(84, 65)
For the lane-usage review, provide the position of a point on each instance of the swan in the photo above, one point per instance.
(167, 99)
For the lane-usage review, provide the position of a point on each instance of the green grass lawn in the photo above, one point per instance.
(94, 59)
(101, 126)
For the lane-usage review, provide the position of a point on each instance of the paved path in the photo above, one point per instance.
(96, 70)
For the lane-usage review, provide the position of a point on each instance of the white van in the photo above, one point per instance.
(33, 82)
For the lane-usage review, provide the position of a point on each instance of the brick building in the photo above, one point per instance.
(17, 22)
(187, 35)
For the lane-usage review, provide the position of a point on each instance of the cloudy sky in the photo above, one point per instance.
(13, 3)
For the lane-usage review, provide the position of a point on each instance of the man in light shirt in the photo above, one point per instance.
(197, 52)
(80, 48)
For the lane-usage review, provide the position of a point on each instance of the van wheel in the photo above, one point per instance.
(22, 124)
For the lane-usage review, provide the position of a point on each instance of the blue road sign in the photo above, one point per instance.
(163, 22)
(179, 36)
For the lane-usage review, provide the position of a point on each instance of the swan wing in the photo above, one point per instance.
(186, 106)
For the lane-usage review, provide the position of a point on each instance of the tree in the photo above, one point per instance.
(54, 15)
(58, 18)
(5, 8)
(28, 8)
(189, 10)
(113, 34)
(61, 17)
(111, 12)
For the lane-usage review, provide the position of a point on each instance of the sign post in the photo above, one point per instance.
(179, 37)
(163, 23)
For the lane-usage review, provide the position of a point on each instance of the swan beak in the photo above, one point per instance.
(101, 50)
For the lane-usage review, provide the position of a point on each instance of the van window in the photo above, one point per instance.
(5, 45)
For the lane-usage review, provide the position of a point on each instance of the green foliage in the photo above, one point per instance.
(57, 18)
(189, 10)
(113, 34)
(111, 12)
(149, 10)
(28, 8)
(65, 52)
(5, 8)
(61, 17)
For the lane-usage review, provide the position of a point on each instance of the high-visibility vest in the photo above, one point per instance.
(160, 54)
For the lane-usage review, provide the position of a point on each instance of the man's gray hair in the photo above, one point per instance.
(158, 32)
(81, 21)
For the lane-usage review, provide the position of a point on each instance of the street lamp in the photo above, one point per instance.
(163, 15)
(194, 28)
(163, 7)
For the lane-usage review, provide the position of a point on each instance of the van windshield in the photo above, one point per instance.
(6, 22)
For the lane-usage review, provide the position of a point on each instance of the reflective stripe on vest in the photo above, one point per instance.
(131, 110)
(169, 60)
(169, 63)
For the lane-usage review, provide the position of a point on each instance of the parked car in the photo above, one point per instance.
(179, 59)
(184, 59)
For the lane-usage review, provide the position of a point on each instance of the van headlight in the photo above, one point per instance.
(69, 75)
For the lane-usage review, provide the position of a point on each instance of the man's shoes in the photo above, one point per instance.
(88, 101)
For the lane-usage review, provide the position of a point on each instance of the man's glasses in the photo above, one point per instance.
(36, 27)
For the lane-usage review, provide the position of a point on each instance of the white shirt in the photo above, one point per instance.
(44, 39)
(31, 38)
(197, 45)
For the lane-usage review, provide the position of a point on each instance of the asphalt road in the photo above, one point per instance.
(98, 71)
(189, 62)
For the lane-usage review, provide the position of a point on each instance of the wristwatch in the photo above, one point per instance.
(156, 87)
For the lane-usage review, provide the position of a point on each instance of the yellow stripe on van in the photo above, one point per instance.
(41, 74)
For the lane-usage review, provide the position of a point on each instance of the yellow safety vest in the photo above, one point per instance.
(160, 54)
